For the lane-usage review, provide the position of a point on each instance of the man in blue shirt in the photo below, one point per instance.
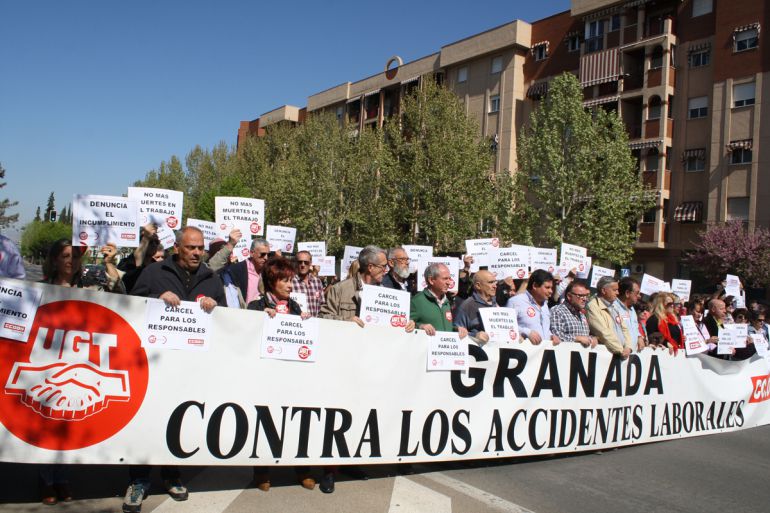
(532, 308)
(628, 295)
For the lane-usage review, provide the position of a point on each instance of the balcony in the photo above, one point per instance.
(634, 131)
(646, 233)
(654, 77)
(651, 128)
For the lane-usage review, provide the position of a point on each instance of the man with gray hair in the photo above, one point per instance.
(604, 322)
(247, 275)
(397, 277)
(431, 309)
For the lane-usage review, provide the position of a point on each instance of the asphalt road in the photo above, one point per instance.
(34, 272)
(717, 473)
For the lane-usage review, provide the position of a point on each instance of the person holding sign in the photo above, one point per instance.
(149, 251)
(63, 267)
(568, 320)
(468, 316)
(431, 309)
(604, 323)
(532, 308)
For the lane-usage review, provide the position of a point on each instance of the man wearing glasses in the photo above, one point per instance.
(398, 276)
(306, 283)
(246, 275)
(568, 320)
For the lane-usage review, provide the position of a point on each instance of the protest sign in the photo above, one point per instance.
(160, 206)
(183, 327)
(242, 249)
(98, 220)
(209, 229)
(316, 249)
(454, 271)
(598, 272)
(18, 304)
(760, 344)
(694, 343)
(327, 265)
(385, 306)
(281, 238)
(446, 352)
(350, 254)
(288, 337)
(500, 324)
(246, 214)
(509, 262)
(542, 258)
(479, 249)
(166, 236)
(301, 299)
(573, 257)
(415, 253)
(651, 285)
(681, 288)
(732, 336)
(584, 268)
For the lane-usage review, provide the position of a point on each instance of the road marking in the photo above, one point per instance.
(410, 497)
(211, 501)
(493, 501)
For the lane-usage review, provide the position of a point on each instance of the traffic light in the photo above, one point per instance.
(52, 216)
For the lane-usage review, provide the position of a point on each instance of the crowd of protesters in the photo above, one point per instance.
(548, 308)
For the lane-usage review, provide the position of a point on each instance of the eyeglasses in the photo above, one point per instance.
(580, 296)
(402, 259)
(261, 255)
(382, 266)
(759, 320)
(669, 305)
(303, 262)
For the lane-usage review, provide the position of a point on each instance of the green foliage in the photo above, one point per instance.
(38, 236)
(5, 204)
(577, 180)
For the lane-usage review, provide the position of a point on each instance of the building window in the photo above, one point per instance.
(746, 39)
(656, 60)
(651, 162)
(668, 158)
(695, 160)
(698, 107)
(462, 74)
(700, 58)
(594, 35)
(615, 22)
(494, 103)
(701, 7)
(670, 109)
(340, 112)
(738, 209)
(573, 44)
(649, 216)
(743, 94)
(540, 52)
(653, 110)
(497, 64)
(740, 156)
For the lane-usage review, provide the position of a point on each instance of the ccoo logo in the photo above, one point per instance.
(79, 379)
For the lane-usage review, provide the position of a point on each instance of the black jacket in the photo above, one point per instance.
(390, 282)
(166, 276)
(264, 302)
(240, 276)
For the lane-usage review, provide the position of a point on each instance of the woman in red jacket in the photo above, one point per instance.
(664, 321)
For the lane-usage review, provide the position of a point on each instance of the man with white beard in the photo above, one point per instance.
(397, 277)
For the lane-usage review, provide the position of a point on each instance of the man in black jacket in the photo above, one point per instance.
(398, 275)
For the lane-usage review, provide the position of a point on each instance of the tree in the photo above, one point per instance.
(51, 207)
(38, 236)
(577, 178)
(730, 248)
(37, 214)
(5, 204)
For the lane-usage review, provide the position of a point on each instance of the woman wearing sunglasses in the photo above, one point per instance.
(664, 320)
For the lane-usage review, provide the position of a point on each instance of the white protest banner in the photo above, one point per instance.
(385, 306)
(542, 258)
(160, 206)
(166, 236)
(246, 214)
(446, 352)
(281, 238)
(350, 254)
(666, 286)
(572, 257)
(598, 272)
(209, 229)
(98, 220)
(694, 343)
(651, 285)
(185, 327)
(18, 304)
(288, 337)
(415, 253)
(500, 324)
(584, 268)
(316, 249)
(681, 288)
(155, 408)
(509, 262)
(454, 271)
(327, 265)
(479, 249)
(301, 299)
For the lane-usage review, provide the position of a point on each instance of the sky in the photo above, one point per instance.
(94, 94)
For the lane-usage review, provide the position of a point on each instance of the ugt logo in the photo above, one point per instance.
(78, 380)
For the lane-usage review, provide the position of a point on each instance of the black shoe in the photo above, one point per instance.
(406, 469)
(355, 473)
(327, 483)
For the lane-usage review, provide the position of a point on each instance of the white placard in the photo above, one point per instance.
(760, 344)
(732, 336)
(209, 229)
(160, 206)
(446, 352)
(584, 268)
(479, 250)
(383, 306)
(281, 238)
(454, 271)
(350, 254)
(184, 327)
(732, 280)
(242, 250)
(301, 299)
(327, 265)
(681, 288)
(542, 258)
(651, 285)
(500, 324)
(740, 300)
(416, 253)
(598, 272)
(97, 220)
(572, 256)
(18, 304)
(246, 214)
(561, 272)
(509, 262)
(288, 337)
(693, 340)
(166, 236)
(317, 249)
(741, 334)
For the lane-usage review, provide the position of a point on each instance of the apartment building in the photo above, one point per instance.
(687, 78)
